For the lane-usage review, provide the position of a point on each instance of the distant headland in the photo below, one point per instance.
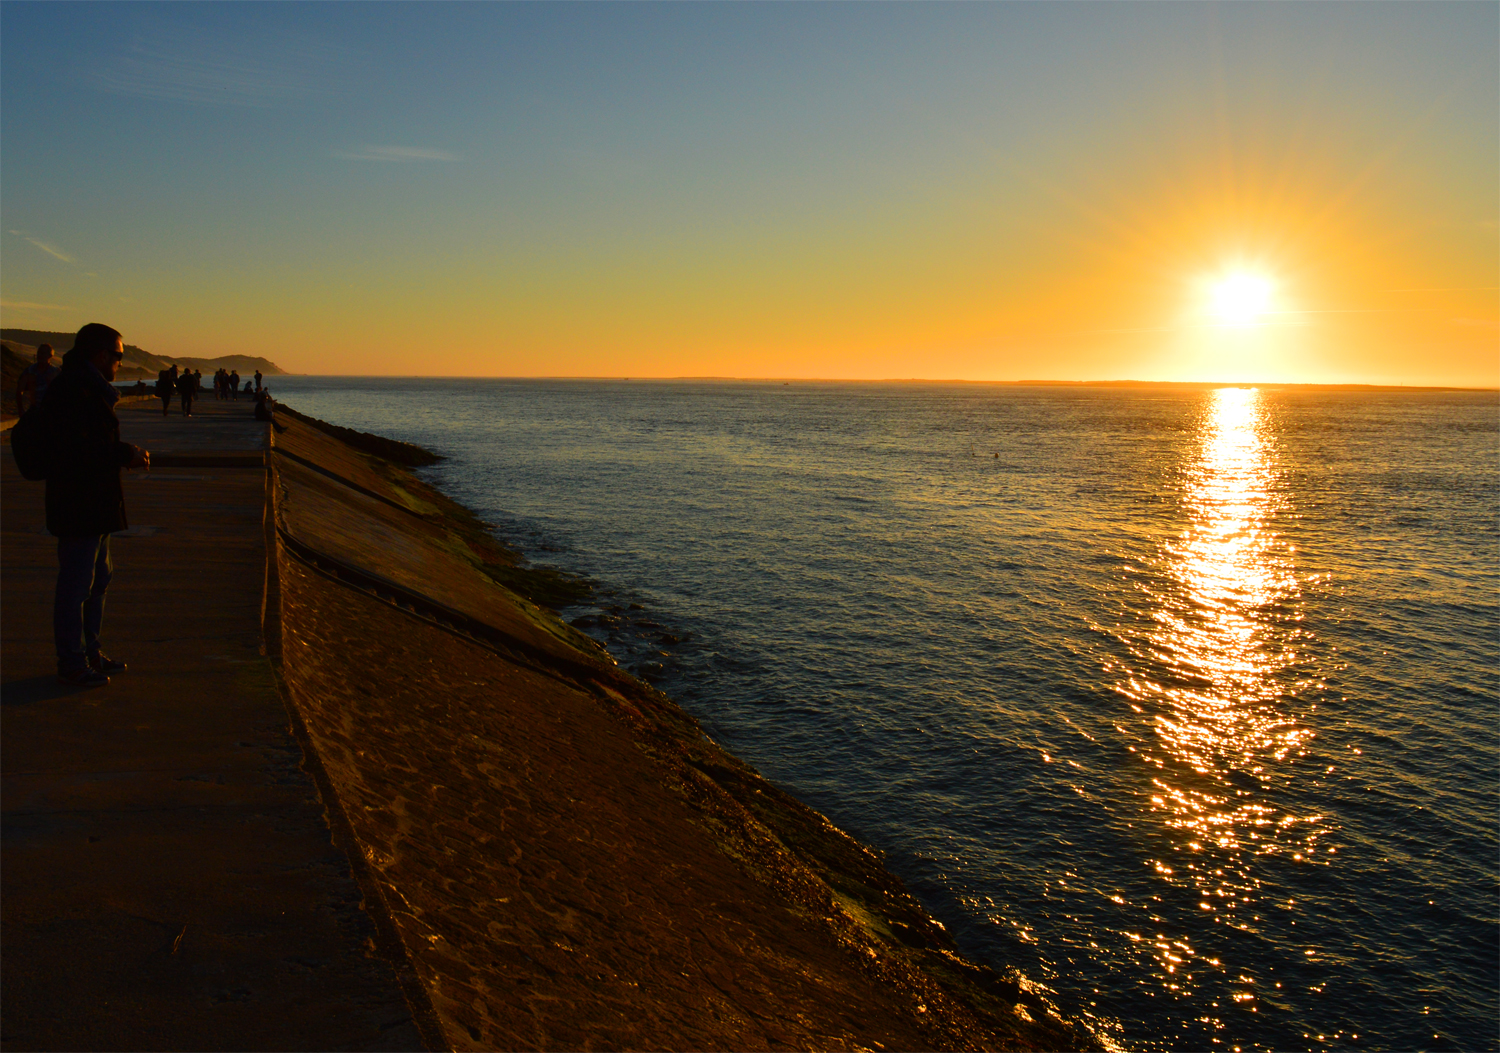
(138, 364)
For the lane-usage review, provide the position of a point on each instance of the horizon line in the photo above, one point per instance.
(910, 380)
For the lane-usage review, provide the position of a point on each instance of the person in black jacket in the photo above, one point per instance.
(187, 387)
(165, 385)
(32, 384)
(85, 501)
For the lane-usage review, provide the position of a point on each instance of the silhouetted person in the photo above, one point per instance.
(85, 501)
(185, 386)
(234, 383)
(165, 385)
(257, 380)
(264, 407)
(34, 379)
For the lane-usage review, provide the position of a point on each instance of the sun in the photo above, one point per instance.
(1240, 298)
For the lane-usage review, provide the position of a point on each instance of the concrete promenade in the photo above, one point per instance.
(168, 876)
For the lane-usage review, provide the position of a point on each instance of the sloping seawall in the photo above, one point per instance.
(554, 853)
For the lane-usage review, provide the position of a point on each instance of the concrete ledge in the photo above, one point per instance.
(226, 459)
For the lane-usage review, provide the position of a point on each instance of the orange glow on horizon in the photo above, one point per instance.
(1241, 193)
(1178, 268)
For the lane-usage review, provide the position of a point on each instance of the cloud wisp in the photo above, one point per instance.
(393, 154)
(183, 64)
(47, 247)
(27, 305)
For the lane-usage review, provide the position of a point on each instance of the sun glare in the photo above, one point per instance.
(1240, 298)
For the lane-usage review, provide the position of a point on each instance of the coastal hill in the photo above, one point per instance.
(139, 364)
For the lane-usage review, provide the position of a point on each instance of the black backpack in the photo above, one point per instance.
(28, 443)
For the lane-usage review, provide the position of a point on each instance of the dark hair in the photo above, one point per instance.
(92, 339)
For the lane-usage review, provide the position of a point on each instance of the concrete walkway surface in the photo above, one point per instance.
(168, 876)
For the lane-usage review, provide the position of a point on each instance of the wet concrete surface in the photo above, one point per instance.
(168, 880)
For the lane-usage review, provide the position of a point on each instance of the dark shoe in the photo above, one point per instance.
(84, 677)
(103, 663)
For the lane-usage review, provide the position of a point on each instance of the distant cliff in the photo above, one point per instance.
(138, 363)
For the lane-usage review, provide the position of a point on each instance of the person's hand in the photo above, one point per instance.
(141, 459)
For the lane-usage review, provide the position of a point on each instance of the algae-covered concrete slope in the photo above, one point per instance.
(558, 853)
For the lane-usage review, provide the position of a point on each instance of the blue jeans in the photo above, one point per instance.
(83, 573)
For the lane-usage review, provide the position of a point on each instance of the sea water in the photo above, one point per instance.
(1182, 702)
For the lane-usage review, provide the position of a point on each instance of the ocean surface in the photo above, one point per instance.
(1184, 703)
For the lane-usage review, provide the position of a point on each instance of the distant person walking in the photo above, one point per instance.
(165, 385)
(257, 380)
(85, 501)
(185, 391)
(234, 384)
(35, 378)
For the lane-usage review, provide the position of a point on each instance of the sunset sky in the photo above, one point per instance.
(1071, 191)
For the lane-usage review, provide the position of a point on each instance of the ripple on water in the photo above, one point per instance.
(1183, 704)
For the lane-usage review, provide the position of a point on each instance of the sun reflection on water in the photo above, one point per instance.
(1215, 673)
(1222, 635)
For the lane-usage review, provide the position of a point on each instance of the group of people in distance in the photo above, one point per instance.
(188, 382)
(227, 384)
(185, 384)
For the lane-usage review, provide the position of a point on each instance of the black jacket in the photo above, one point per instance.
(84, 495)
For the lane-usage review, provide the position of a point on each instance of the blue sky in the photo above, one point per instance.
(754, 189)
